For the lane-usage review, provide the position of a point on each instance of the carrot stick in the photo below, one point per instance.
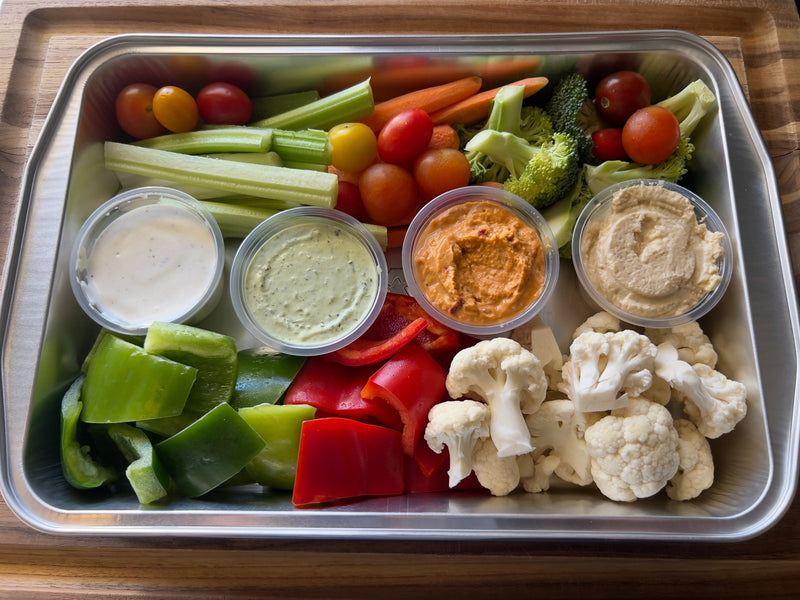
(429, 99)
(444, 136)
(498, 73)
(476, 107)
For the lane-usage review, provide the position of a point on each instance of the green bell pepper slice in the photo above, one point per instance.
(264, 376)
(279, 426)
(145, 473)
(209, 451)
(80, 469)
(212, 354)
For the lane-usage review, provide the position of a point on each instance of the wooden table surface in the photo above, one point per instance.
(39, 39)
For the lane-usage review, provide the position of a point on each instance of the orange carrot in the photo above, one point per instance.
(429, 99)
(476, 107)
(444, 136)
(498, 73)
(395, 236)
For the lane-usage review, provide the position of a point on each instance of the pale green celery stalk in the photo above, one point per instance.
(256, 158)
(236, 221)
(305, 146)
(263, 181)
(305, 165)
(213, 140)
(292, 73)
(269, 106)
(347, 105)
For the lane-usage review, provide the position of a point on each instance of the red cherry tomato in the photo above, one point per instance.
(607, 144)
(651, 135)
(224, 104)
(621, 94)
(405, 136)
(175, 109)
(348, 200)
(134, 110)
(389, 193)
(439, 170)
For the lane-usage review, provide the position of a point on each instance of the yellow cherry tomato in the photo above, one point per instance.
(175, 109)
(354, 146)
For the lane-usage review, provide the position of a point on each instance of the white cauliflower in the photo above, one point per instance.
(714, 403)
(457, 424)
(558, 432)
(498, 474)
(536, 471)
(696, 469)
(634, 451)
(509, 379)
(601, 322)
(692, 344)
(538, 337)
(603, 367)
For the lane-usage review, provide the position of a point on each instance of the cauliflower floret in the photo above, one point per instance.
(538, 337)
(692, 344)
(557, 431)
(601, 322)
(457, 424)
(510, 380)
(536, 471)
(498, 474)
(696, 469)
(602, 367)
(714, 403)
(634, 451)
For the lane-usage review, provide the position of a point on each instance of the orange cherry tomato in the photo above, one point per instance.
(175, 109)
(651, 135)
(439, 170)
(388, 192)
(134, 111)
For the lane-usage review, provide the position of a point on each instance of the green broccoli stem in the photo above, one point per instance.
(690, 105)
(506, 111)
(507, 149)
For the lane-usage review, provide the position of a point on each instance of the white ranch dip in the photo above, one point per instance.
(311, 283)
(154, 263)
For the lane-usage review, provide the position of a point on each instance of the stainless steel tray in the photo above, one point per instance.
(755, 328)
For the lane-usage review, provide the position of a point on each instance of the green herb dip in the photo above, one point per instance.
(311, 284)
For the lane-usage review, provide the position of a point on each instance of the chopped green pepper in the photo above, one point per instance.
(125, 383)
(146, 474)
(279, 426)
(209, 451)
(212, 354)
(80, 469)
(264, 376)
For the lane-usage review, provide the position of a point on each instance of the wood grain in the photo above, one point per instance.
(38, 42)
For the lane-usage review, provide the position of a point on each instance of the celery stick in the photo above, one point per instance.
(236, 221)
(279, 183)
(341, 107)
(257, 158)
(269, 106)
(306, 146)
(305, 165)
(207, 141)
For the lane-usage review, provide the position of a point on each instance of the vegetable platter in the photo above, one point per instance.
(754, 328)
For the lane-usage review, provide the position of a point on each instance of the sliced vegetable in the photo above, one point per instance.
(279, 426)
(80, 469)
(145, 473)
(269, 106)
(369, 352)
(125, 383)
(209, 451)
(335, 391)
(428, 99)
(309, 146)
(279, 183)
(411, 382)
(264, 376)
(477, 106)
(341, 459)
(213, 140)
(235, 220)
(212, 354)
(341, 107)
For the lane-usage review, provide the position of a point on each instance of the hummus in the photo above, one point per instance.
(649, 256)
(479, 263)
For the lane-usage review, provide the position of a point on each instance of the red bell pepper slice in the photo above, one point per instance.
(339, 459)
(436, 337)
(419, 482)
(335, 390)
(364, 351)
(411, 382)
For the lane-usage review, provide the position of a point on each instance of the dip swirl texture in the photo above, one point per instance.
(480, 263)
(649, 255)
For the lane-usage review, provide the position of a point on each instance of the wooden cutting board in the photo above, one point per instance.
(38, 42)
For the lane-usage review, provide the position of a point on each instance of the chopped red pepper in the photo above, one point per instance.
(436, 337)
(340, 459)
(365, 351)
(411, 382)
(427, 459)
(418, 482)
(335, 390)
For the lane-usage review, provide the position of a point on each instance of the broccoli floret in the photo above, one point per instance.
(536, 126)
(566, 108)
(610, 172)
(690, 105)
